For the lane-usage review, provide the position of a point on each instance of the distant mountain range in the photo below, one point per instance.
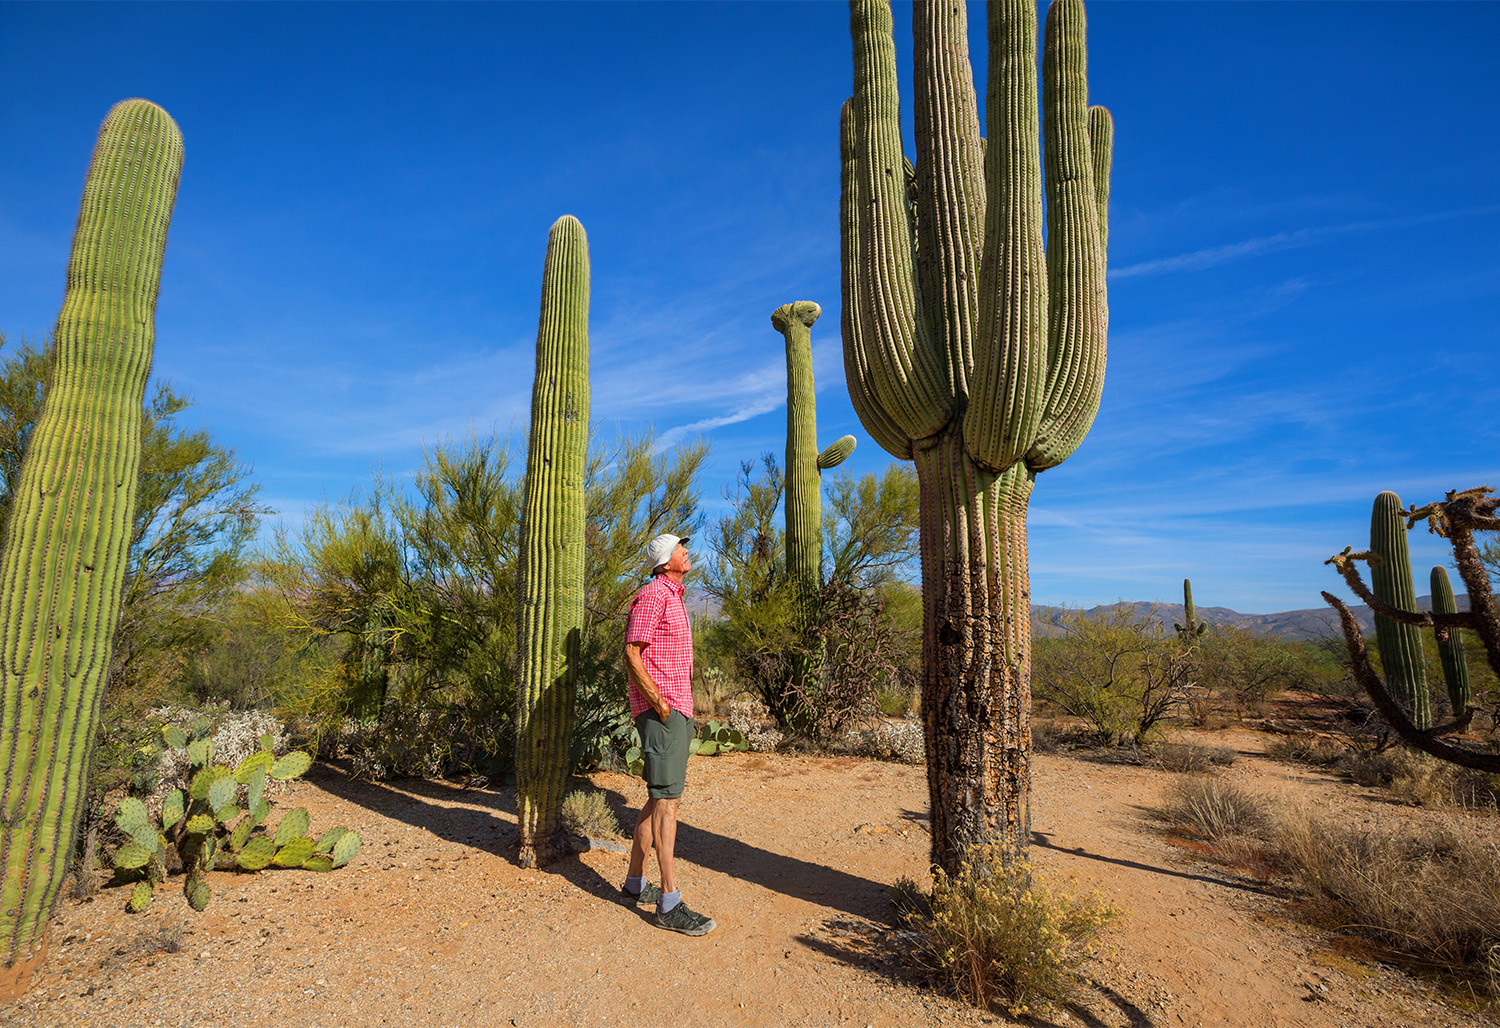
(1292, 625)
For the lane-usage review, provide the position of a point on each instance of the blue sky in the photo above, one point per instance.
(1303, 264)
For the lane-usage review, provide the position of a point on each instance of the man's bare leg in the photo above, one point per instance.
(641, 841)
(663, 829)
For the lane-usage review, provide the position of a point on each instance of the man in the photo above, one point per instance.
(659, 662)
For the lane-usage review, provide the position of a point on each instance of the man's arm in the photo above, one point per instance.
(635, 666)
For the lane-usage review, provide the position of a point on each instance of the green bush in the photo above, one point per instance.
(1118, 673)
(586, 813)
(996, 935)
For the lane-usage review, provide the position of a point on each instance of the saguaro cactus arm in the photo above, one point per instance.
(1451, 644)
(1078, 313)
(859, 375)
(836, 452)
(907, 366)
(63, 559)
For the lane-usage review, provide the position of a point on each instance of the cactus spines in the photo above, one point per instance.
(65, 545)
(1391, 581)
(804, 467)
(550, 624)
(974, 344)
(1451, 645)
(1192, 628)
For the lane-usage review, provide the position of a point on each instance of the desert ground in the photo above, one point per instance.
(434, 924)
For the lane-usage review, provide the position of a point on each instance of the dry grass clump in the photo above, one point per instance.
(996, 935)
(1214, 809)
(1413, 778)
(587, 814)
(1432, 896)
(1193, 758)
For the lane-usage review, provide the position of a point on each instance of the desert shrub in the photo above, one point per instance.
(1420, 780)
(1192, 757)
(1214, 808)
(1306, 748)
(1432, 895)
(997, 935)
(584, 812)
(1242, 670)
(236, 735)
(429, 740)
(1120, 674)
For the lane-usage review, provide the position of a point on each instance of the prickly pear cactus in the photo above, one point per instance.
(63, 559)
(218, 823)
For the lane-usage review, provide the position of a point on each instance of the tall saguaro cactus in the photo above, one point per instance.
(66, 541)
(552, 556)
(977, 350)
(1400, 645)
(804, 468)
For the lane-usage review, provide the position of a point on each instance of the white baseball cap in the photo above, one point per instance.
(659, 550)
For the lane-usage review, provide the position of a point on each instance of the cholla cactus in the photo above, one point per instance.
(552, 558)
(66, 541)
(974, 345)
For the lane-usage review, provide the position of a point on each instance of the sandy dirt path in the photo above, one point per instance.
(434, 925)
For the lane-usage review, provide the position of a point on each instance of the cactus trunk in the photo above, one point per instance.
(552, 545)
(804, 466)
(1451, 645)
(974, 343)
(68, 534)
(1400, 645)
(976, 642)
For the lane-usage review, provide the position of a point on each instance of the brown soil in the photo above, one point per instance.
(434, 924)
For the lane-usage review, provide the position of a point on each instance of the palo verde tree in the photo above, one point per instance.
(974, 346)
(550, 637)
(63, 560)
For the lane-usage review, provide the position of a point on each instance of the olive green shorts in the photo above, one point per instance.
(664, 750)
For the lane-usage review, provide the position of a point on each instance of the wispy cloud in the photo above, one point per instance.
(1211, 256)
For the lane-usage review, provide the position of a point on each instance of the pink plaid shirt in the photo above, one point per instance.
(659, 619)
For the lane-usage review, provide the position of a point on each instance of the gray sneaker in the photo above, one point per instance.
(649, 895)
(681, 919)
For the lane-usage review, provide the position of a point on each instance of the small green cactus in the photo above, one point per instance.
(1451, 647)
(1194, 628)
(1391, 579)
(209, 830)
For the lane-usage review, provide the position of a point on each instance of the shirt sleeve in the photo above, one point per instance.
(645, 613)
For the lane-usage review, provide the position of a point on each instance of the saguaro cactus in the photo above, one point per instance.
(804, 468)
(1191, 628)
(976, 350)
(1451, 645)
(1400, 645)
(552, 558)
(63, 559)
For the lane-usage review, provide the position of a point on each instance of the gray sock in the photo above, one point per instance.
(634, 884)
(668, 901)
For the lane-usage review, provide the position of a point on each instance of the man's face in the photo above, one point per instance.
(679, 561)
